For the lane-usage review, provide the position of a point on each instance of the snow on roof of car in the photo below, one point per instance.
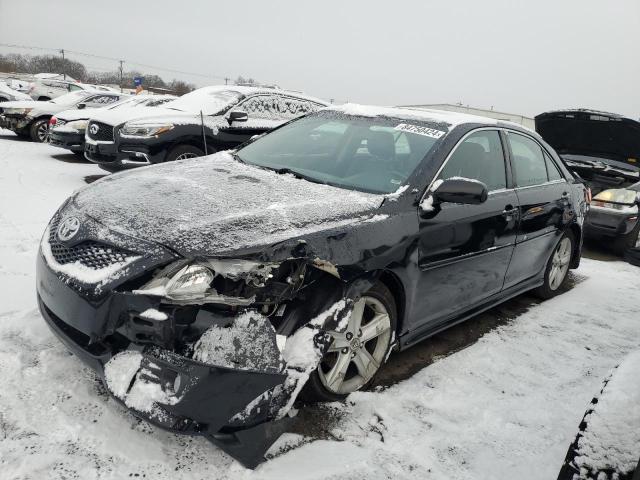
(246, 90)
(422, 114)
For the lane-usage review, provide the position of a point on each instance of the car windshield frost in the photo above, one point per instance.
(368, 154)
(210, 102)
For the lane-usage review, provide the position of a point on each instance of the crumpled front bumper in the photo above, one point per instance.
(202, 402)
(14, 122)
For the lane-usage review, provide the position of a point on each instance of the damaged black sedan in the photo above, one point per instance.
(211, 294)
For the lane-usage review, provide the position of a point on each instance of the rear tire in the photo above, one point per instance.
(183, 152)
(363, 360)
(556, 272)
(39, 130)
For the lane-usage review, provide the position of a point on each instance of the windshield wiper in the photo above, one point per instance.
(297, 174)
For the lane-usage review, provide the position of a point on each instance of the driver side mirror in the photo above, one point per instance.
(237, 116)
(461, 190)
(81, 106)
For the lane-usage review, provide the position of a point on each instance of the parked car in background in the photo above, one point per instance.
(607, 446)
(604, 150)
(67, 128)
(9, 94)
(198, 123)
(220, 286)
(613, 219)
(31, 119)
(43, 89)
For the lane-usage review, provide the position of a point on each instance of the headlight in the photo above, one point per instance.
(184, 282)
(17, 111)
(79, 125)
(617, 199)
(144, 130)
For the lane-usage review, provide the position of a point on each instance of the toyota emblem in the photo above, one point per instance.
(68, 229)
(94, 128)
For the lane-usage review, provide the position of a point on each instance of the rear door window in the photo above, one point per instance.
(552, 169)
(478, 157)
(527, 160)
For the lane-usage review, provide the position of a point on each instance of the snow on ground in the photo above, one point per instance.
(505, 407)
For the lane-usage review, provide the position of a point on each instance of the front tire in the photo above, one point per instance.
(355, 356)
(183, 152)
(39, 130)
(556, 272)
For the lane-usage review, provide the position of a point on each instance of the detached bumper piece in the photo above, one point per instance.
(68, 140)
(13, 123)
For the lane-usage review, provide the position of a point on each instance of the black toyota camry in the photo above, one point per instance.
(210, 294)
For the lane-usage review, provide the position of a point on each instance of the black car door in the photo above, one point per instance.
(464, 250)
(544, 195)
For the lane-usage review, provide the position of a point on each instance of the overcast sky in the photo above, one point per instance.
(523, 56)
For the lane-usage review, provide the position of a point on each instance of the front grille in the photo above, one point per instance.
(104, 133)
(91, 254)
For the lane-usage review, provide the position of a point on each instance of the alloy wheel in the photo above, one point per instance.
(560, 263)
(356, 354)
(184, 156)
(42, 132)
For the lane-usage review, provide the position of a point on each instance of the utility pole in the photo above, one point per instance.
(121, 74)
(226, 80)
(64, 74)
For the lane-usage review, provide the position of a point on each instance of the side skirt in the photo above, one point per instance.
(411, 338)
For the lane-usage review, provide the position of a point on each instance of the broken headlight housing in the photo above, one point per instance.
(185, 282)
(144, 130)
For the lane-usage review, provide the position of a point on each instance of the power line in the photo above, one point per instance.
(119, 60)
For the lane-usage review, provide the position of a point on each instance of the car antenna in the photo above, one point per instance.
(204, 137)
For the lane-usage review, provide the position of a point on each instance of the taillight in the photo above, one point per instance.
(52, 121)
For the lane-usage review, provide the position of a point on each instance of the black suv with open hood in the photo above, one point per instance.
(210, 293)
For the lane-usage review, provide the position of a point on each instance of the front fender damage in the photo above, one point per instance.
(237, 383)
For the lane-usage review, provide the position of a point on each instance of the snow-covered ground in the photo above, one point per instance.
(506, 407)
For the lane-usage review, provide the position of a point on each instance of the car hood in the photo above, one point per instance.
(25, 104)
(616, 138)
(121, 115)
(38, 108)
(215, 206)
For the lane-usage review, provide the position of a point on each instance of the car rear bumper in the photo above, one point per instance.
(191, 397)
(68, 140)
(608, 222)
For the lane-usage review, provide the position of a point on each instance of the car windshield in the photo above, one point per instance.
(71, 98)
(209, 101)
(368, 154)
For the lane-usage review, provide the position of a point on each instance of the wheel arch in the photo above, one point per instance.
(576, 231)
(396, 287)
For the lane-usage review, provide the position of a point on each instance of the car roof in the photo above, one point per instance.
(421, 114)
(246, 91)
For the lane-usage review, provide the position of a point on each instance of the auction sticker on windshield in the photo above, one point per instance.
(418, 130)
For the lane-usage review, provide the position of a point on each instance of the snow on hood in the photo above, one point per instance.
(216, 205)
(118, 116)
(26, 104)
